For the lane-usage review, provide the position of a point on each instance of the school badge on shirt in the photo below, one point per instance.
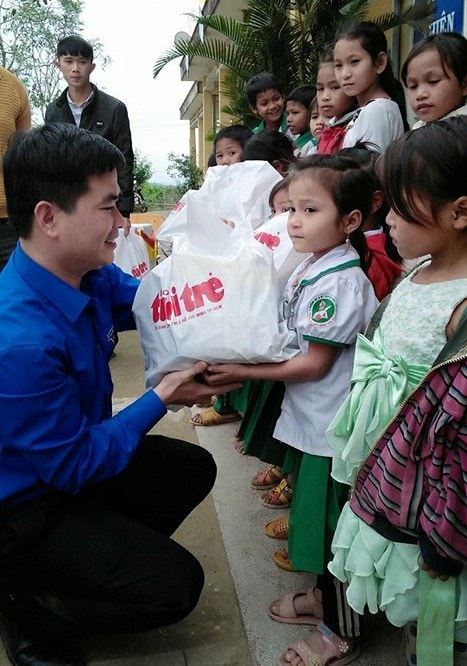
(322, 310)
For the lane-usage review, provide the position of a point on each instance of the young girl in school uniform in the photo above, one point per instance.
(400, 542)
(364, 72)
(327, 302)
(335, 105)
(435, 73)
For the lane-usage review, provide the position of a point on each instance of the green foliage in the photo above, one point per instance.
(160, 197)
(284, 37)
(185, 172)
(29, 33)
(142, 168)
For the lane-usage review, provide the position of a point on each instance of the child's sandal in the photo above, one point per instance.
(279, 497)
(281, 559)
(321, 647)
(277, 529)
(267, 478)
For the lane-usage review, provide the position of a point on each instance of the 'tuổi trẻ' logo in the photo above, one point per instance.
(322, 310)
(172, 303)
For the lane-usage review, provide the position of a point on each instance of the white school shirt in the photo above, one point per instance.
(379, 123)
(332, 302)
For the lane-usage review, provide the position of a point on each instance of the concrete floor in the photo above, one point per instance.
(230, 626)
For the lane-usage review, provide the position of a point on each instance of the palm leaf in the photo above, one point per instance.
(419, 16)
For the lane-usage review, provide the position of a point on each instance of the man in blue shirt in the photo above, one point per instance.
(87, 499)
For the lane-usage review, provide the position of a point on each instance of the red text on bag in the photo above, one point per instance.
(169, 303)
(270, 240)
(140, 270)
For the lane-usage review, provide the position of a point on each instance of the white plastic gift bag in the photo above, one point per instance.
(239, 193)
(214, 299)
(131, 254)
(273, 234)
(174, 225)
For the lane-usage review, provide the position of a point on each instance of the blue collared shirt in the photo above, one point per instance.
(55, 384)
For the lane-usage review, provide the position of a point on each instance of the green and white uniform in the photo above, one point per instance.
(329, 301)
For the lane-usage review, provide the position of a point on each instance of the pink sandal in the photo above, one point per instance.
(279, 497)
(283, 610)
(320, 648)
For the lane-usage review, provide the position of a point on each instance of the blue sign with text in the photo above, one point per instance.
(449, 17)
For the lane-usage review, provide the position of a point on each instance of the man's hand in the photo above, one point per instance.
(187, 387)
(431, 572)
(126, 226)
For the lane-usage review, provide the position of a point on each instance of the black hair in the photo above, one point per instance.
(280, 185)
(212, 160)
(53, 162)
(452, 51)
(349, 186)
(373, 41)
(238, 133)
(426, 165)
(314, 103)
(74, 45)
(270, 146)
(326, 58)
(260, 83)
(303, 95)
(367, 156)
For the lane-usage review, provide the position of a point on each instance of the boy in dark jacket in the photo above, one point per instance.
(83, 104)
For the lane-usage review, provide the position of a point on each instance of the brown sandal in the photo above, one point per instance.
(277, 529)
(267, 478)
(211, 418)
(279, 497)
(281, 558)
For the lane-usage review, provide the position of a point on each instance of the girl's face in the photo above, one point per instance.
(280, 202)
(317, 122)
(228, 151)
(433, 90)
(298, 117)
(355, 70)
(332, 100)
(431, 236)
(314, 223)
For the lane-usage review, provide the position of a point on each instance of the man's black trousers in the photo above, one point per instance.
(103, 561)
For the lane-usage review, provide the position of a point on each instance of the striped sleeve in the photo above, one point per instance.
(444, 512)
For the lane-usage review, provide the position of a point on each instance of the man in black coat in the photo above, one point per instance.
(83, 104)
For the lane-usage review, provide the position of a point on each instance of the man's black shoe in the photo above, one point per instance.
(24, 652)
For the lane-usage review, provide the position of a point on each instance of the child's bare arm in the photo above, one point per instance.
(311, 366)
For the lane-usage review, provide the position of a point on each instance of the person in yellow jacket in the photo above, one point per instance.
(15, 114)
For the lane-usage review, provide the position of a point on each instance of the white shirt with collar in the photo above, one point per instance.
(329, 301)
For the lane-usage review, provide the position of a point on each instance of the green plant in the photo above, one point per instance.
(185, 172)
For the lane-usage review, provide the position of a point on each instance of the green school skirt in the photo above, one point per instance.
(316, 506)
(257, 427)
(234, 401)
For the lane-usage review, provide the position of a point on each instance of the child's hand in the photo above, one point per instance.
(225, 373)
(431, 572)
